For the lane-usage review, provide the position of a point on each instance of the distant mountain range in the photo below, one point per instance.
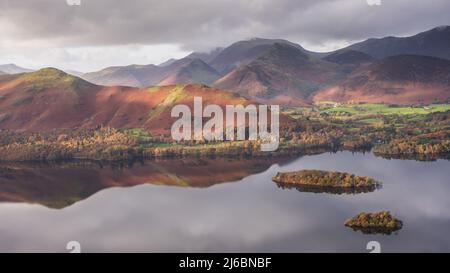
(410, 70)
(12, 69)
(244, 52)
(183, 71)
(279, 71)
(283, 74)
(434, 43)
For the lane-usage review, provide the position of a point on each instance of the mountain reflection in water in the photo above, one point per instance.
(250, 214)
(58, 185)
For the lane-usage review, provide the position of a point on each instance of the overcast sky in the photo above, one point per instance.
(100, 33)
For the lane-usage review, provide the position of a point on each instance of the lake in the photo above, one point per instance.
(218, 205)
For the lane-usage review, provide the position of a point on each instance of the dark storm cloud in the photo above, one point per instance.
(202, 24)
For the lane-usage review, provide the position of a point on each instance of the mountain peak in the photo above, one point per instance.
(51, 77)
(48, 73)
(284, 55)
(192, 70)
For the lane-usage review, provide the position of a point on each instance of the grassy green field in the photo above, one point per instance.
(365, 114)
(384, 109)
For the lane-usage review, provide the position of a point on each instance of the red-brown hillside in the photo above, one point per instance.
(49, 99)
(283, 75)
(403, 79)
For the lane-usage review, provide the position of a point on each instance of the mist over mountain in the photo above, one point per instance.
(13, 69)
(207, 57)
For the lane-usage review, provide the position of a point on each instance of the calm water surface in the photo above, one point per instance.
(218, 205)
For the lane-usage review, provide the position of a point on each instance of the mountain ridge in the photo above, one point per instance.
(434, 42)
(284, 74)
(52, 99)
(149, 75)
(400, 79)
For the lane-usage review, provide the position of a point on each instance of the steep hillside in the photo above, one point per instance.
(434, 42)
(283, 74)
(348, 57)
(243, 52)
(49, 99)
(195, 71)
(403, 79)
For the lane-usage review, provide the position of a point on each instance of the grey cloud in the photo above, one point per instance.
(201, 24)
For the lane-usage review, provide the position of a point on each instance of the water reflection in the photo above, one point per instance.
(251, 215)
(58, 185)
(330, 190)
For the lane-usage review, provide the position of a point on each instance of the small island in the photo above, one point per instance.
(318, 181)
(374, 223)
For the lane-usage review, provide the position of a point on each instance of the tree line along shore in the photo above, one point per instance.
(419, 136)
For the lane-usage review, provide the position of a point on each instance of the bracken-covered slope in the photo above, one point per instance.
(403, 79)
(49, 99)
(284, 75)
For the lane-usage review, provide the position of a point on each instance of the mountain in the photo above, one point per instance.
(13, 69)
(168, 62)
(401, 79)
(207, 57)
(195, 71)
(49, 99)
(216, 63)
(187, 70)
(243, 52)
(131, 75)
(435, 43)
(283, 74)
(348, 57)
